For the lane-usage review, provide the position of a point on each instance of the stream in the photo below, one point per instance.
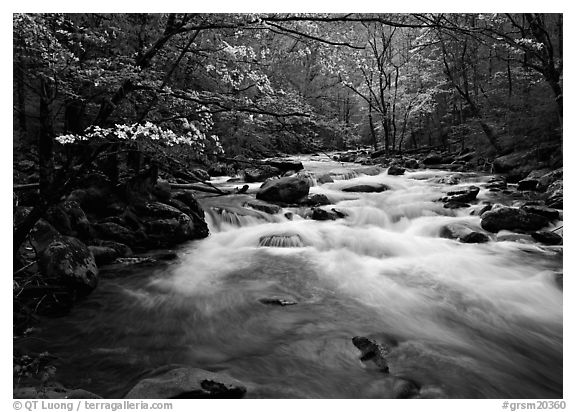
(462, 320)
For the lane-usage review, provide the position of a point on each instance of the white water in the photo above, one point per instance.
(466, 320)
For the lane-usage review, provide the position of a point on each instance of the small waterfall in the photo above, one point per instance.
(287, 240)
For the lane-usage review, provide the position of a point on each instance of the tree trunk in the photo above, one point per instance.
(46, 140)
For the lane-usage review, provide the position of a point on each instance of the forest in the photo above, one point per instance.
(135, 134)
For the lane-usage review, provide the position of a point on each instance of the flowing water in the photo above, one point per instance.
(462, 320)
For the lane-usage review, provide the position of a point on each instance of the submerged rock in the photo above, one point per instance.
(548, 238)
(288, 240)
(325, 178)
(277, 301)
(475, 237)
(372, 351)
(263, 206)
(463, 196)
(322, 214)
(396, 170)
(510, 218)
(366, 188)
(187, 383)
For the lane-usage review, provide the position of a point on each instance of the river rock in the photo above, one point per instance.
(555, 195)
(170, 231)
(277, 301)
(411, 163)
(548, 238)
(116, 232)
(285, 190)
(530, 182)
(452, 204)
(369, 171)
(475, 237)
(157, 210)
(322, 214)
(449, 180)
(372, 351)
(514, 237)
(121, 249)
(316, 199)
(285, 165)
(546, 180)
(103, 255)
(325, 178)
(454, 231)
(281, 240)
(70, 262)
(512, 219)
(53, 391)
(396, 170)
(465, 195)
(366, 188)
(496, 182)
(547, 212)
(187, 383)
(260, 174)
(265, 207)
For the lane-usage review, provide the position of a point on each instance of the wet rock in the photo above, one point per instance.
(316, 199)
(285, 165)
(475, 237)
(547, 212)
(452, 204)
(411, 163)
(509, 218)
(263, 207)
(285, 190)
(187, 383)
(103, 255)
(530, 182)
(117, 233)
(483, 210)
(366, 188)
(548, 238)
(555, 195)
(70, 262)
(321, 214)
(465, 195)
(396, 170)
(277, 301)
(188, 198)
(514, 237)
(121, 249)
(260, 174)
(325, 178)
(497, 182)
(449, 179)
(171, 231)
(454, 231)
(369, 171)
(546, 180)
(372, 351)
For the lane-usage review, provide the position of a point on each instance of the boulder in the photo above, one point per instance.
(285, 190)
(396, 170)
(530, 182)
(163, 232)
(187, 383)
(555, 195)
(121, 249)
(285, 165)
(117, 233)
(546, 180)
(69, 261)
(463, 196)
(325, 178)
(157, 210)
(510, 218)
(547, 212)
(372, 351)
(411, 163)
(103, 255)
(316, 199)
(366, 188)
(321, 214)
(260, 174)
(187, 197)
(548, 238)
